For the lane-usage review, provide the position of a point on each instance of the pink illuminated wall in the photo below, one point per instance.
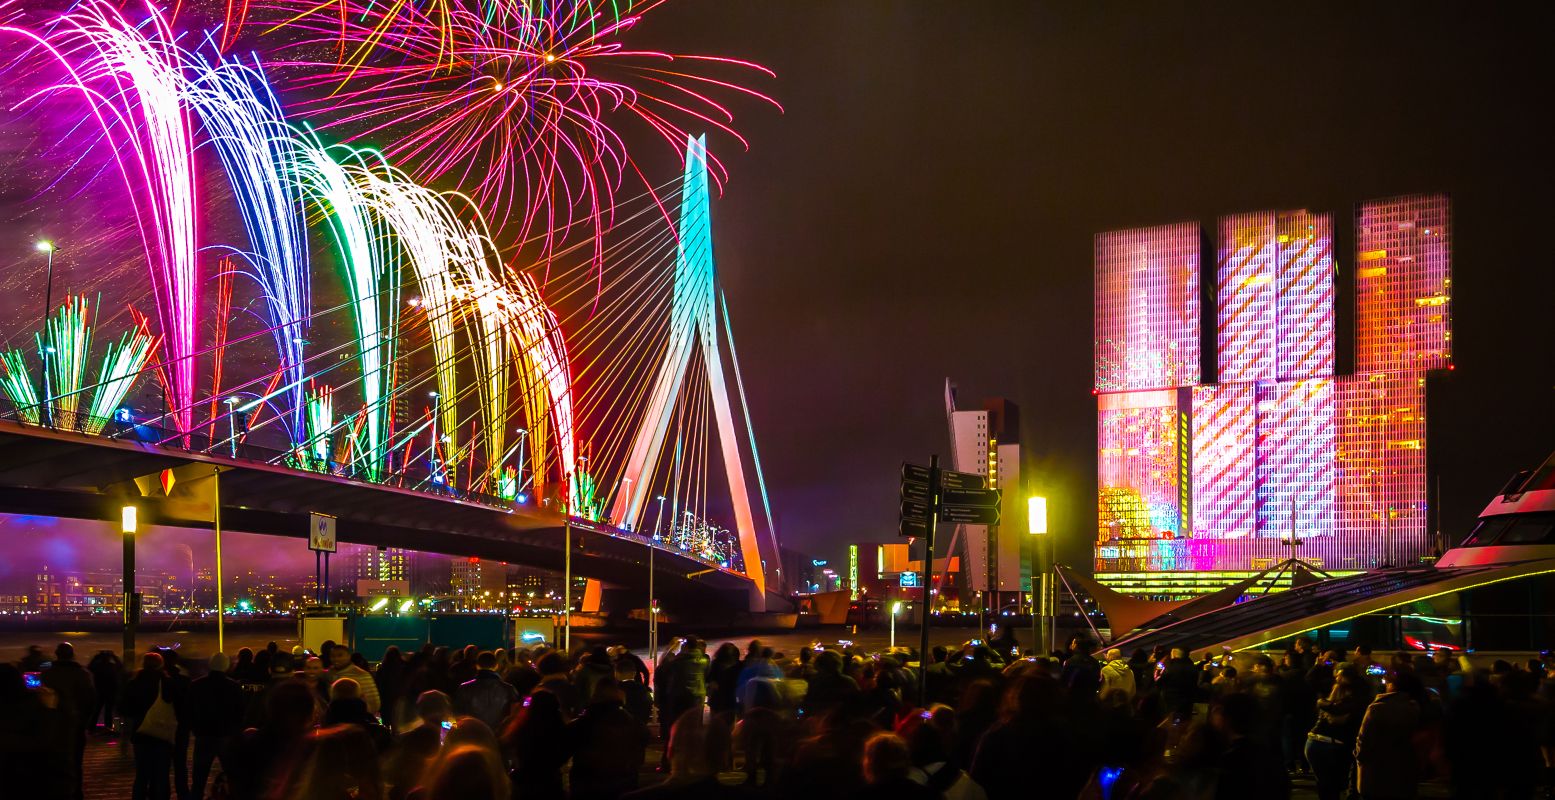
(1225, 469)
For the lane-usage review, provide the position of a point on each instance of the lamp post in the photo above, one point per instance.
(47, 247)
(232, 425)
(128, 522)
(435, 471)
(653, 604)
(1042, 611)
(896, 608)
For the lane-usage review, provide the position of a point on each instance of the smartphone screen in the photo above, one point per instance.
(34, 679)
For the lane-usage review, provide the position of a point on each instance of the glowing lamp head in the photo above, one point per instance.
(406, 606)
(45, 246)
(129, 519)
(379, 604)
(550, 58)
(896, 608)
(1036, 513)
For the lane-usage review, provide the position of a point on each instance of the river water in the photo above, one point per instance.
(200, 644)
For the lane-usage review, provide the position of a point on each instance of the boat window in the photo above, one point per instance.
(1530, 529)
(1488, 531)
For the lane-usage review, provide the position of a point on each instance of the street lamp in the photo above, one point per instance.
(128, 524)
(896, 608)
(1041, 620)
(47, 248)
(232, 425)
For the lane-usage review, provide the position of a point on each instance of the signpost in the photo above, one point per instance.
(929, 496)
(321, 540)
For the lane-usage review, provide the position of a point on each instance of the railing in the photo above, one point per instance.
(202, 442)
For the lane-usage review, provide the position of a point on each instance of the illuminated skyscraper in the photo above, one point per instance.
(1213, 481)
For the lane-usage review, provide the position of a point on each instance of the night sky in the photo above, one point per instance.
(925, 207)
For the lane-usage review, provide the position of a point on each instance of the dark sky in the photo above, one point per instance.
(925, 208)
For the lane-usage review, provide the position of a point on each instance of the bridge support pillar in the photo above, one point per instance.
(593, 593)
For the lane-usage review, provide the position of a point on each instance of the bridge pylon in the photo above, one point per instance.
(694, 320)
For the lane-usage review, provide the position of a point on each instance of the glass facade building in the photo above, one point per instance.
(1217, 478)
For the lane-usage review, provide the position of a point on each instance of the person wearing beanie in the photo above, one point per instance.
(216, 703)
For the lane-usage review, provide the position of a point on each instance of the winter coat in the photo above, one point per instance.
(1117, 674)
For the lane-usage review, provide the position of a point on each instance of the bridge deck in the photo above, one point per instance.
(65, 474)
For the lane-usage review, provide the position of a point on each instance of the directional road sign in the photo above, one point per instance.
(917, 492)
(912, 473)
(978, 498)
(915, 528)
(969, 515)
(915, 510)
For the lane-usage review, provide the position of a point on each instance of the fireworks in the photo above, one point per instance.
(523, 114)
(242, 121)
(133, 85)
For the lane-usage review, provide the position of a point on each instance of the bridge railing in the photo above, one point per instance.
(204, 441)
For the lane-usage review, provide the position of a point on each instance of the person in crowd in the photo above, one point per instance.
(264, 759)
(1386, 764)
(1249, 766)
(150, 706)
(35, 740)
(465, 772)
(1034, 732)
(341, 666)
(635, 696)
(1330, 746)
(107, 674)
(535, 743)
(888, 771)
(1117, 675)
(417, 744)
(723, 678)
(486, 696)
(828, 687)
(593, 669)
(930, 736)
(76, 694)
(607, 745)
(342, 764)
(390, 677)
(692, 771)
(346, 707)
(554, 681)
(1082, 673)
(316, 676)
(216, 707)
(178, 678)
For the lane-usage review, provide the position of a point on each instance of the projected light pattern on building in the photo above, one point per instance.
(1140, 458)
(1304, 310)
(1403, 285)
(1295, 457)
(1147, 308)
(1225, 480)
(1215, 478)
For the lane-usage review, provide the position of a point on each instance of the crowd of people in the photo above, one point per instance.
(822, 722)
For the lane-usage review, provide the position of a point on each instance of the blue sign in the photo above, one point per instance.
(908, 580)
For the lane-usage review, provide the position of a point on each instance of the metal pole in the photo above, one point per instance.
(221, 630)
(48, 301)
(928, 560)
(653, 616)
(129, 593)
(567, 585)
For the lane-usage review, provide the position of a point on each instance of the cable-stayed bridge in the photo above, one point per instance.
(415, 386)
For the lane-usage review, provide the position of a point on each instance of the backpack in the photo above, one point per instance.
(160, 721)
